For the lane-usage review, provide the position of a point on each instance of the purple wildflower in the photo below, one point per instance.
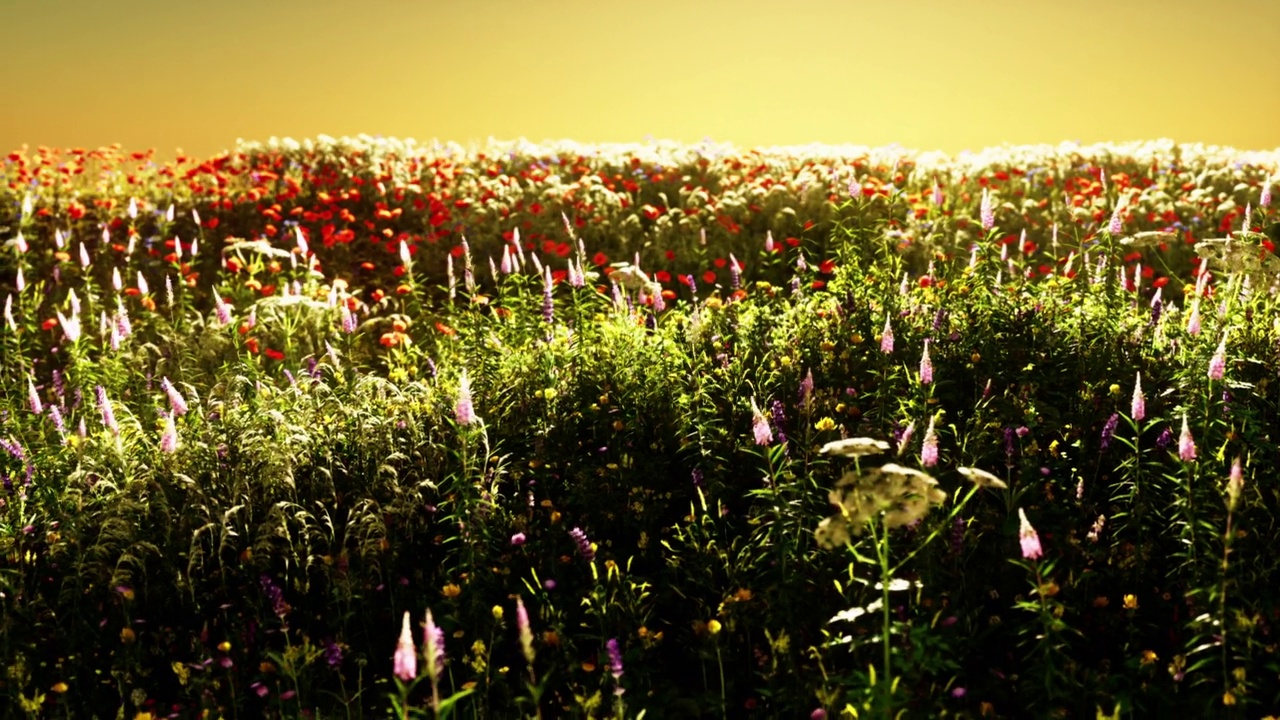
(176, 401)
(548, 304)
(1165, 439)
(56, 415)
(275, 595)
(1116, 225)
(985, 212)
(806, 389)
(615, 662)
(735, 273)
(778, 415)
(517, 539)
(1193, 321)
(1109, 430)
(433, 645)
(886, 337)
(1265, 198)
(332, 653)
(583, 543)
(696, 476)
(108, 416)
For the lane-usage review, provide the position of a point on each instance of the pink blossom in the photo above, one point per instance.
(760, 425)
(1028, 538)
(926, 366)
(406, 657)
(169, 439)
(464, 411)
(929, 453)
(1139, 409)
(1218, 363)
(1186, 446)
(886, 337)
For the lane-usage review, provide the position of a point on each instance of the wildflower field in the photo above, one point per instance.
(365, 428)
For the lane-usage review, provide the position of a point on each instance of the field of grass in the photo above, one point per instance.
(356, 428)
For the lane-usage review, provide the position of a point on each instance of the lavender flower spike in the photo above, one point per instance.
(1139, 407)
(1028, 538)
(176, 402)
(760, 425)
(464, 411)
(1186, 445)
(1218, 363)
(108, 415)
(406, 657)
(926, 366)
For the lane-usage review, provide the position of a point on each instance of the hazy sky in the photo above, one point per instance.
(927, 74)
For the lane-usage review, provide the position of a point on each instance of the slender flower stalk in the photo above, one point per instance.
(985, 212)
(1193, 319)
(526, 634)
(886, 337)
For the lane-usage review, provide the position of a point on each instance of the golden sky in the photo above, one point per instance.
(926, 74)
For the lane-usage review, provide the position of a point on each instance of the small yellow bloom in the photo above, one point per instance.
(451, 590)
(713, 626)
(1148, 657)
(856, 339)
(1115, 388)
(127, 635)
(224, 646)
(59, 687)
(825, 424)
(1130, 602)
(1228, 698)
(975, 358)
(497, 612)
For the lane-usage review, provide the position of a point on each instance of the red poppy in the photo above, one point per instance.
(49, 324)
(600, 259)
(709, 277)
(252, 345)
(719, 262)
(274, 354)
(662, 276)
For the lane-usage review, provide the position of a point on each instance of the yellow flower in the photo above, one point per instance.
(59, 687)
(451, 590)
(713, 626)
(1130, 602)
(1228, 698)
(1148, 657)
(1115, 388)
(127, 635)
(224, 646)
(497, 612)
(825, 424)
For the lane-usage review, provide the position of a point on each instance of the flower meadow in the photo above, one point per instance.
(359, 427)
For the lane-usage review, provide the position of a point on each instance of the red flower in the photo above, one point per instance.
(662, 276)
(600, 259)
(719, 262)
(709, 277)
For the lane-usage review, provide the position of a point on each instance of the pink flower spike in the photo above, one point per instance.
(1027, 536)
(33, 398)
(406, 657)
(169, 439)
(1186, 445)
(929, 453)
(886, 337)
(464, 411)
(1218, 363)
(1193, 321)
(926, 366)
(1139, 408)
(760, 425)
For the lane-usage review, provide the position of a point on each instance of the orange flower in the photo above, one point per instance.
(445, 329)
(252, 345)
(49, 324)
(403, 289)
(399, 326)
